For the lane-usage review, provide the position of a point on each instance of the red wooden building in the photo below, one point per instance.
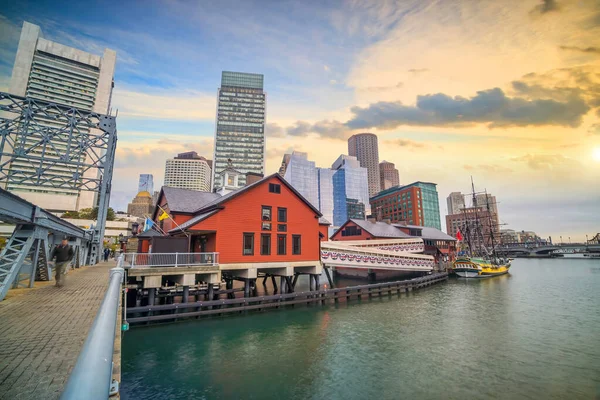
(266, 224)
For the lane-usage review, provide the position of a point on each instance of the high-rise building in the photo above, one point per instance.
(325, 177)
(141, 205)
(350, 190)
(302, 175)
(52, 72)
(431, 204)
(476, 224)
(146, 183)
(240, 126)
(188, 171)
(456, 202)
(284, 163)
(364, 147)
(388, 175)
(487, 201)
(399, 204)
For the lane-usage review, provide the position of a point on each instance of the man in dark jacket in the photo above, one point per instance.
(63, 254)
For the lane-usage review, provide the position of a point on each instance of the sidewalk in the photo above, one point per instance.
(42, 330)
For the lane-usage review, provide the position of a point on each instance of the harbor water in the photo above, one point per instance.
(531, 334)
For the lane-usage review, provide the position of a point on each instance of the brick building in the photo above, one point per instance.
(476, 220)
(399, 204)
(388, 175)
(141, 205)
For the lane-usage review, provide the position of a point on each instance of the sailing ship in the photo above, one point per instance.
(479, 259)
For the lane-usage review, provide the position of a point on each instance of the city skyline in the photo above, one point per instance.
(359, 62)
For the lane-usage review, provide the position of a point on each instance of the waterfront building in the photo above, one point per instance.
(52, 72)
(437, 243)
(302, 175)
(240, 126)
(146, 183)
(388, 175)
(267, 224)
(188, 171)
(364, 147)
(350, 190)
(456, 202)
(416, 203)
(141, 205)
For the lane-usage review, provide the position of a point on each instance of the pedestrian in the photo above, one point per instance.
(63, 254)
(106, 253)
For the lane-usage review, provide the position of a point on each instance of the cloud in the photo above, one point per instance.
(418, 70)
(325, 128)
(594, 129)
(326, 68)
(490, 168)
(546, 161)
(546, 7)
(491, 107)
(405, 143)
(164, 104)
(595, 50)
(378, 89)
(274, 130)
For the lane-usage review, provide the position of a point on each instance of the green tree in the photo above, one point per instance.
(72, 214)
(89, 213)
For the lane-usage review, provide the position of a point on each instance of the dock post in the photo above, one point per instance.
(211, 294)
(317, 285)
(295, 280)
(310, 282)
(246, 287)
(329, 277)
(289, 285)
(282, 284)
(186, 294)
(274, 284)
(151, 294)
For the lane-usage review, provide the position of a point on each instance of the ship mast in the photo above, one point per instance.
(491, 225)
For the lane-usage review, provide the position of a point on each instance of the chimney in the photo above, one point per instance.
(252, 177)
(387, 221)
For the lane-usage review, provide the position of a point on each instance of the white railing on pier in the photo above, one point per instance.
(412, 245)
(148, 260)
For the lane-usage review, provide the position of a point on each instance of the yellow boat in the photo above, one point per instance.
(467, 267)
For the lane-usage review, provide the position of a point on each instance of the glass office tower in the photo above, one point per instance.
(350, 190)
(325, 176)
(240, 127)
(302, 175)
(431, 204)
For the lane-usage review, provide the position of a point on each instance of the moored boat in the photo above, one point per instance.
(467, 267)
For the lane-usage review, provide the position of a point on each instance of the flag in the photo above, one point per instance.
(164, 215)
(459, 235)
(148, 224)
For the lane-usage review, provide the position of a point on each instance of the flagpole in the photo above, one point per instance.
(184, 232)
(154, 225)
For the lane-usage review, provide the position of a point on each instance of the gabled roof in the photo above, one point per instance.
(192, 221)
(430, 233)
(323, 221)
(380, 229)
(220, 200)
(186, 200)
(149, 233)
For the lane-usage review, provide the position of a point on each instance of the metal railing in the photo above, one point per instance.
(91, 377)
(145, 260)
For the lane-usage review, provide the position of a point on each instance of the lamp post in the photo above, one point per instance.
(134, 228)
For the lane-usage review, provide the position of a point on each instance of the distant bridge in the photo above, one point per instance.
(544, 250)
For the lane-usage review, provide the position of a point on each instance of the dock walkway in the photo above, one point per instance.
(43, 329)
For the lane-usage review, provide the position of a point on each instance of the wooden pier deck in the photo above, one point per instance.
(43, 329)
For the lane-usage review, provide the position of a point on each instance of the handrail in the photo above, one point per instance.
(145, 260)
(91, 377)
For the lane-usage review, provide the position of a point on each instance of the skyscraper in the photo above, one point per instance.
(240, 126)
(388, 175)
(52, 72)
(456, 203)
(146, 183)
(188, 171)
(350, 190)
(302, 175)
(364, 147)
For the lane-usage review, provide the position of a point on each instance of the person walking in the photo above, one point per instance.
(63, 254)
(106, 254)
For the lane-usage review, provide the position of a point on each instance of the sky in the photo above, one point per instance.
(507, 92)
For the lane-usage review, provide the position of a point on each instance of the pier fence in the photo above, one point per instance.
(173, 312)
(91, 377)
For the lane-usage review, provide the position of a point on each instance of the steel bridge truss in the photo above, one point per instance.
(55, 147)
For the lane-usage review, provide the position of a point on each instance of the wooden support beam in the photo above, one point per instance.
(329, 278)
(186, 294)
(289, 285)
(274, 284)
(247, 288)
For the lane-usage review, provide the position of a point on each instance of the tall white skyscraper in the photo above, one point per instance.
(455, 202)
(188, 171)
(240, 126)
(52, 72)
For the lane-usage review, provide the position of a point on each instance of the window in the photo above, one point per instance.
(281, 228)
(281, 244)
(274, 188)
(351, 231)
(265, 244)
(266, 226)
(266, 213)
(296, 244)
(248, 244)
(281, 214)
